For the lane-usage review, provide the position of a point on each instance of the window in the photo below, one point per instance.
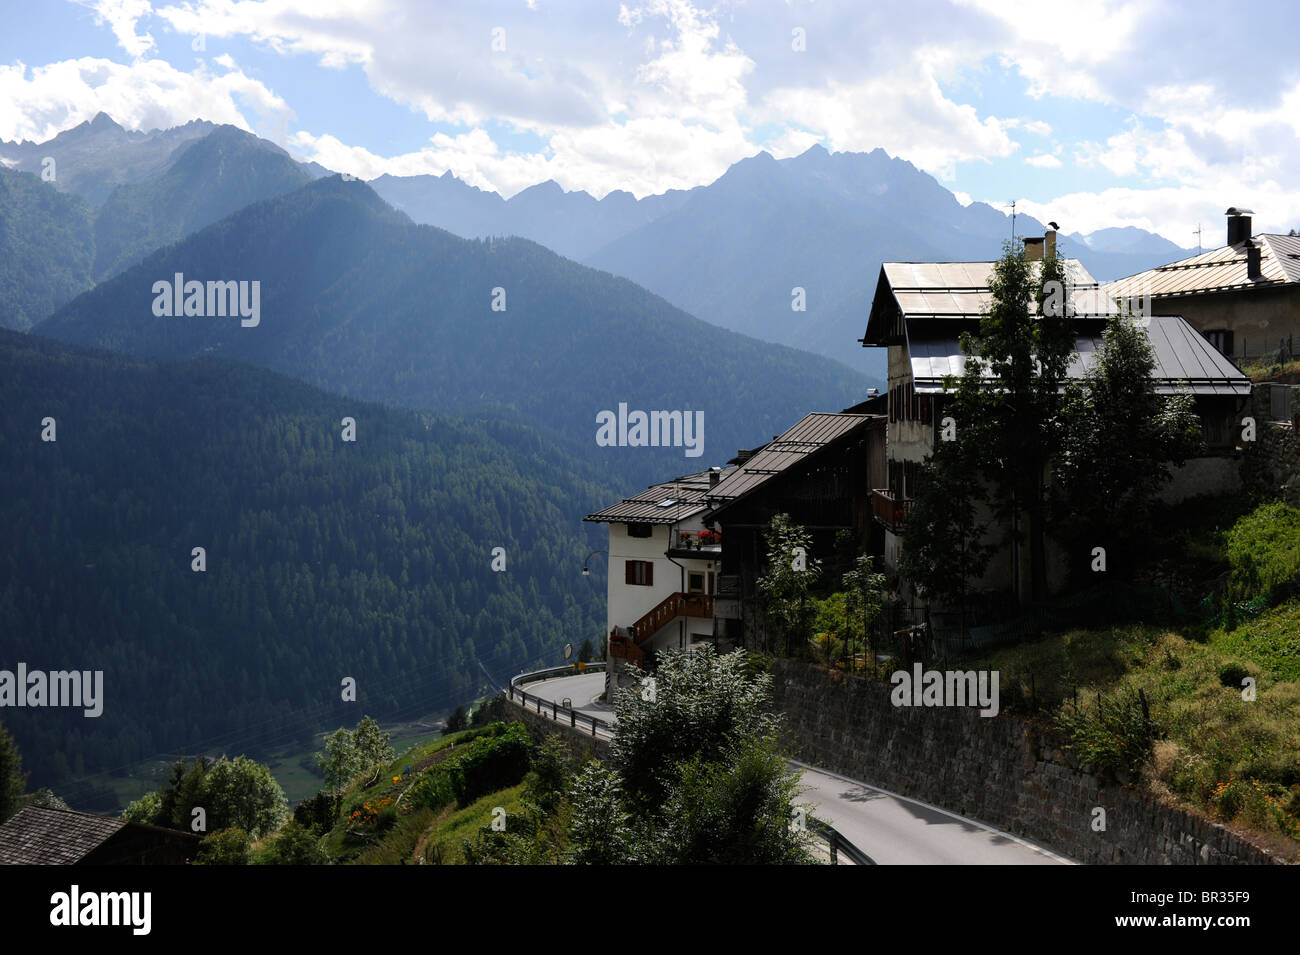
(694, 583)
(639, 530)
(640, 573)
(1221, 339)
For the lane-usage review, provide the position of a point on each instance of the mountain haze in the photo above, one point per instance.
(357, 299)
(732, 252)
(324, 559)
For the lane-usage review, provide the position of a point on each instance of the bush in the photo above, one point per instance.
(1264, 551)
(496, 758)
(223, 847)
(296, 845)
(317, 813)
(490, 763)
(1118, 737)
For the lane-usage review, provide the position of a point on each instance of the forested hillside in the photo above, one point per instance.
(46, 249)
(204, 181)
(356, 299)
(324, 559)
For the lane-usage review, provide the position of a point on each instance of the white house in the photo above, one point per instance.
(663, 567)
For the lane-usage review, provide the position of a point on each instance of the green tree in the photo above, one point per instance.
(456, 722)
(783, 588)
(239, 792)
(348, 753)
(13, 781)
(224, 847)
(864, 592)
(242, 793)
(1118, 435)
(339, 760)
(491, 710)
(694, 775)
(586, 652)
(1006, 404)
(371, 744)
(943, 543)
(296, 845)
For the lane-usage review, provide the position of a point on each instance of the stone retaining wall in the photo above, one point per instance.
(1003, 771)
(540, 725)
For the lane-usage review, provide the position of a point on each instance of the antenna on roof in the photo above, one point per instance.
(1013, 219)
(1197, 233)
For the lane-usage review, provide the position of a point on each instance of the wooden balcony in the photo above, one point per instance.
(890, 510)
(669, 609)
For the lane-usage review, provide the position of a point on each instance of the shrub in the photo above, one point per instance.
(317, 813)
(1118, 737)
(223, 847)
(490, 763)
(296, 845)
(1264, 551)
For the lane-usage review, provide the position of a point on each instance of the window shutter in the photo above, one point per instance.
(925, 409)
(649, 574)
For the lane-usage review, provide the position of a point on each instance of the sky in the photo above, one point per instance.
(1154, 114)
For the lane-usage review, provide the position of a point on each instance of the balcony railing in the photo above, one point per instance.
(890, 510)
(670, 608)
(706, 542)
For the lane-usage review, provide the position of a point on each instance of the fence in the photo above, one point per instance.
(554, 707)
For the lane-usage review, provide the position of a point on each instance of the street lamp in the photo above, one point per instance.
(586, 572)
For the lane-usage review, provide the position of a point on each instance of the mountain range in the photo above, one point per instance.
(734, 252)
(356, 299)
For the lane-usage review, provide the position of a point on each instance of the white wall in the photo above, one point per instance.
(626, 604)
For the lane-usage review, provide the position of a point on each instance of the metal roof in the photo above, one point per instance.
(1185, 361)
(960, 290)
(1218, 270)
(687, 494)
(37, 835)
(812, 433)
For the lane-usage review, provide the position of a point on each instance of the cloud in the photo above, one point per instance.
(122, 17)
(1043, 161)
(37, 104)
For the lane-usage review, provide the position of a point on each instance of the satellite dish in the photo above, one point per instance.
(568, 650)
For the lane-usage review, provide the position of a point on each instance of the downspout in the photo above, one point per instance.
(681, 621)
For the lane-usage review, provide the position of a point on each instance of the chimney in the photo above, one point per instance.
(1049, 244)
(1033, 249)
(1238, 225)
(1254, 266)
(715, 474)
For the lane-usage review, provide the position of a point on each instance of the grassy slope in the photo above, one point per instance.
(1237, 760)
(437, 834)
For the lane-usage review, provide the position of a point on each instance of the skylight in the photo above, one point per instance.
(667, 502)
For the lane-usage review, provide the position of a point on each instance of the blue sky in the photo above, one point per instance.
(1155, 114)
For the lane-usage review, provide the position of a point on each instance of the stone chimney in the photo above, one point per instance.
(1049, 244)
(1033, 249)
(715, 474)
(1238, 225)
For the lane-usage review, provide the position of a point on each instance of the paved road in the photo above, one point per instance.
(582, 690)
(895, 830)
(892, 829)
